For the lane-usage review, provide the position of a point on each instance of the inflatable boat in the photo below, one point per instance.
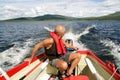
(90, 67)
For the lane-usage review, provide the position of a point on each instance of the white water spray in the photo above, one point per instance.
(115, 48)
(48, 29)
(86, 31)
(15, 54)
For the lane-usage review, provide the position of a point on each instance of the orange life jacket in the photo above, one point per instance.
(59, 44)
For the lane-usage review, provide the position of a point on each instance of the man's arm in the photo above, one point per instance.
(69, 46)
(42, 44)
(36, 48)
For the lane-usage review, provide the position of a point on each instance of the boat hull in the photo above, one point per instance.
(89, 65)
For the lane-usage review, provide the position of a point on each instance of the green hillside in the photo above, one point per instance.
(44, 17)
(53, 17)
(114, 16)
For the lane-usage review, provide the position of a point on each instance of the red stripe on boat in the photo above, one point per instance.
(17, 68)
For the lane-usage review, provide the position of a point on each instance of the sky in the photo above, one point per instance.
(75, 8)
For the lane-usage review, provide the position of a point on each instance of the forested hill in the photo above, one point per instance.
(114, 16)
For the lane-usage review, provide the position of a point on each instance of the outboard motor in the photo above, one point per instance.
(69, 41)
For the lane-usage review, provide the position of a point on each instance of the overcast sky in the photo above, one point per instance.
(75, 8)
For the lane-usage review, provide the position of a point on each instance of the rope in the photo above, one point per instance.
(114, 73)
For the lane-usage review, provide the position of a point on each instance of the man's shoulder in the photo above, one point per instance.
(50, 40)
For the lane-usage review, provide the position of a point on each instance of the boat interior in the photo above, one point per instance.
(41, 70)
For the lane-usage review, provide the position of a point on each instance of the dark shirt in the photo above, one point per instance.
(52, 52)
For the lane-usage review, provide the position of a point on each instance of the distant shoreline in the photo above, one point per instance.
(49, 17)
(51, 20)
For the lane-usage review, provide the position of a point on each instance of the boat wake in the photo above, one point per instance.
(115, 49)
(48, 29)
(87, 30)
(15, 54)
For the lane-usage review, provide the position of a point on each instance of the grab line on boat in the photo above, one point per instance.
(114, 73)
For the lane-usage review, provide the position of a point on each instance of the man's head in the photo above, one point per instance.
(60, 30)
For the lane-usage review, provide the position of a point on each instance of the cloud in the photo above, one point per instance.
(8, 12)
(75, 8)
(112, 5)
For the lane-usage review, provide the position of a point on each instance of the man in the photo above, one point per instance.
(55, 51)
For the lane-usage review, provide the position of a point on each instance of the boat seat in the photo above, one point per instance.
(47, 73)
(90, 65)
(96, 75)
(34, 74)
(31, 71)
(81, 65)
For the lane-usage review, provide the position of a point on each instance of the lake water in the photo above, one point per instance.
(18, 38)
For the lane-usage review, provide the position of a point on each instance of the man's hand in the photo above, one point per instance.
(29, 60)
(75, 48)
